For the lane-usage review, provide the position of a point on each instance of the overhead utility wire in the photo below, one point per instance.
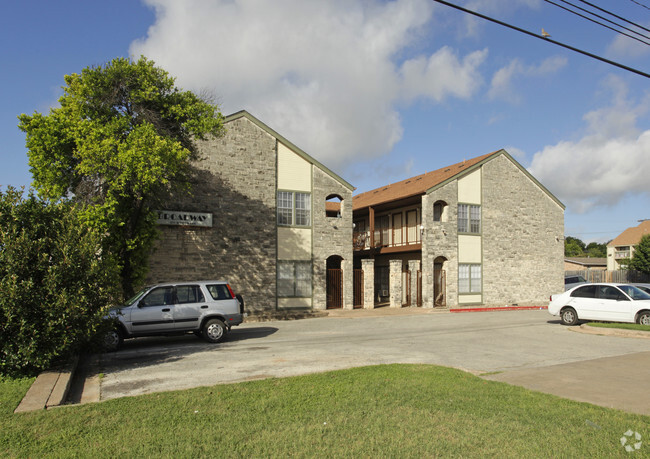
(600, 23)
(518, 29)
(600, 17)
(616, 16)
(640, 4)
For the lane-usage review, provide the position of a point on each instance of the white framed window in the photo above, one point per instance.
(469, 278)
(469, 218)
(294, 279)
(294, 208)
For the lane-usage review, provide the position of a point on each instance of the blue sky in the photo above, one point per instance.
(378, 91)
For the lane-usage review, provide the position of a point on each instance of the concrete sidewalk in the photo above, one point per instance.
(50, 388)
(613, 382)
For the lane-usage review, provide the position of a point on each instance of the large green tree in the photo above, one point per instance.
(573, 247)
(121, 141)
(56, 282)
(641, 259)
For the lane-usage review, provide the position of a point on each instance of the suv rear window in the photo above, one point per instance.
(219, 292)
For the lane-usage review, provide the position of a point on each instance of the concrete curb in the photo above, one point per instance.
(50, 388)
(499, 308)
(382, 312)
(621, 332)
(411, 310)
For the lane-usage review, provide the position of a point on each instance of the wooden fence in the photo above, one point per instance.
(623, 277)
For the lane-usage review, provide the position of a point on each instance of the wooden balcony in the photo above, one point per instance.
(381, 243)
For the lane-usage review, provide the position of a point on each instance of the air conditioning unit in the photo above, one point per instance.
(384, 293)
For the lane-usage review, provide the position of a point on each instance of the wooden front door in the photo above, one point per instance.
(358, 288)
(334, 288)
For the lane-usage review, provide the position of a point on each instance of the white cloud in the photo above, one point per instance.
(442, 75)
(326, 74)
(609, 162)
(502, 85)
(626, 47)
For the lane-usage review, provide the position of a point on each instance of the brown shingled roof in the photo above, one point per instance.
(413, 186)
(632, 236)
(332, 206)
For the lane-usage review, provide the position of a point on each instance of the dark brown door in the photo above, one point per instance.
(334, 288)
(358, 288)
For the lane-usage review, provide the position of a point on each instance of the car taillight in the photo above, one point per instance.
(232, 294)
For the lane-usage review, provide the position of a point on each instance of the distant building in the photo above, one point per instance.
(585, 264)
(622, 247)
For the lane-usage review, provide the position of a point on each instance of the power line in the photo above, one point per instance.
(616, 16)
(599, 23)
(640, 4)
(555, 42)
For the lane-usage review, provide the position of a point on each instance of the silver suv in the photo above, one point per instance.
(207, 308)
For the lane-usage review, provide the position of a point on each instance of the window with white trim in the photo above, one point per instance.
(469, 218)
(294, 208)
(469, 278)
(294, 279)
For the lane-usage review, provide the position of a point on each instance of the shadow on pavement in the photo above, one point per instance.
(149, 351)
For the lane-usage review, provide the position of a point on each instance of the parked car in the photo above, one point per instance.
(602, 301)
(572, 281)
(644, 287)
(207, 308)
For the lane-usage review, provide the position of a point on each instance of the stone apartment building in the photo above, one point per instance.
(265, 216)
(480, 232)
(284, 230)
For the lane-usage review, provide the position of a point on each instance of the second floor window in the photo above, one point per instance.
(469, 218)
(294, 209)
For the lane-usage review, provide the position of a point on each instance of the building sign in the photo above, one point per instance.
(180, 217)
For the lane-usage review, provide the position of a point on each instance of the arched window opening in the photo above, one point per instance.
(333, 206)
(440, 211)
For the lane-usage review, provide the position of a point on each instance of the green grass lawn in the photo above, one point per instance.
(379, 411)
(619, 325)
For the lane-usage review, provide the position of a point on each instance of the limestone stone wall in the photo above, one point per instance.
(523, 245)
(236, 182)
(332, 236)
(396, 283)
(440, 241)
(368, 266)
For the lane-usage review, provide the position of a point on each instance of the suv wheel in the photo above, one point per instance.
(214, 330)
(113, 340)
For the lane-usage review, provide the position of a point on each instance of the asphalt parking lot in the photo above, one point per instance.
(529, 348)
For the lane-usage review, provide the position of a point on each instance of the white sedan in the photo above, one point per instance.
(604, 302)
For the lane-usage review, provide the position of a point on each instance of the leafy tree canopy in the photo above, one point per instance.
(120, 142)
(641, 259)
(574, 247)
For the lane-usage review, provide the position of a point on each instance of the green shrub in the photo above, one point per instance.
(55, 283)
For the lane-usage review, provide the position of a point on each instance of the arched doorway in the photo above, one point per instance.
(334, 282)
(439, 282)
